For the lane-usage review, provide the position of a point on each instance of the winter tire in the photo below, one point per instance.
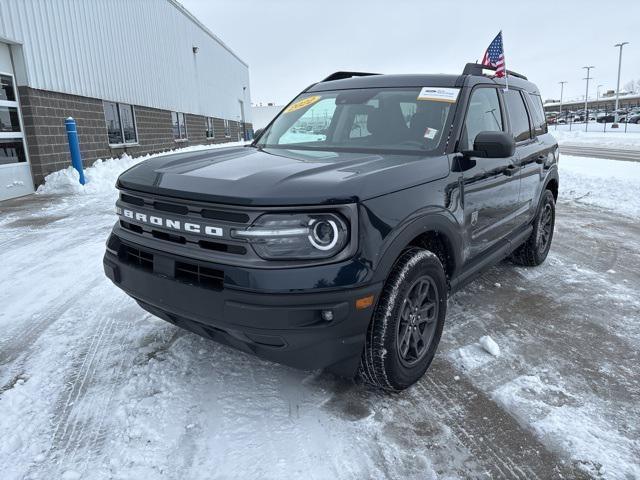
(407, 323)
(534, 251)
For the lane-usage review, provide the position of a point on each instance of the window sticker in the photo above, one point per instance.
(439, 94)
(430, 133)
(305, 102)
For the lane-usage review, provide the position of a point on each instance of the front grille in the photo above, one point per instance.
(132, 227)
(222, 247)
(198, 213)
(171, 208)
(168, 237)
(199, 275)
(132, 200)
(225, 216)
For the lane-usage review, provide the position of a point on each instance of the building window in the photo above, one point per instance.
(210, 132)
(6, 89)
(179, 126)
(121, 123)
(12, 151)
(227, 129)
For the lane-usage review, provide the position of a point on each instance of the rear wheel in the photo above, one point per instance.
(535, 250)
(407, 324)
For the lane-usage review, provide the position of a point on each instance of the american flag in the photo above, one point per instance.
(494, 56)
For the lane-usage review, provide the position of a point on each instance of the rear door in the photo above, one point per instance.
(538, 156)
(490, 185)
(528, 153)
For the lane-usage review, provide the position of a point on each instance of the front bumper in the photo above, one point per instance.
(283, 327)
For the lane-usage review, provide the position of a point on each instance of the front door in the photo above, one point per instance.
(491, 185)
(15, 173)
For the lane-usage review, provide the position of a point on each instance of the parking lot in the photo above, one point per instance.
(93, 387)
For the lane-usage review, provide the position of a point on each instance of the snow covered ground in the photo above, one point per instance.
(93, 387)
(610, 184)
(597, 136)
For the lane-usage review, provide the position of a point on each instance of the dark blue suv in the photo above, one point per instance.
(334, 239)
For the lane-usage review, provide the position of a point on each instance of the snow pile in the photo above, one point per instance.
(604, 183)
(102, 175)
(490, 345)
(475, 355)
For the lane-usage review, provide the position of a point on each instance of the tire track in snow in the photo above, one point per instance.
(494, 438)
(20, 341)
(81, 412)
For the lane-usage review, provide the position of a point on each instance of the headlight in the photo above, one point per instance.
(296, 236)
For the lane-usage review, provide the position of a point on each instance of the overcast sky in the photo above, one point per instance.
(290, 44)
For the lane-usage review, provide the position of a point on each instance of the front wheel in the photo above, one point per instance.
(534, 251)
(407, 324)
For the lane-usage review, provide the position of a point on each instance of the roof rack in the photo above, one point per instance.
(477, 68)
(343, 75)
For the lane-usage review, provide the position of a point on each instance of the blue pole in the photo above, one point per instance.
(74, 147)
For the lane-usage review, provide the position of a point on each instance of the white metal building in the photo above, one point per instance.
(138, 76)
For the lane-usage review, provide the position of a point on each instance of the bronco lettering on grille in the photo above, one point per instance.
(189, 227)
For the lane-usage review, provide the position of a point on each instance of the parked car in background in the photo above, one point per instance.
(633, 118)
(606, 118)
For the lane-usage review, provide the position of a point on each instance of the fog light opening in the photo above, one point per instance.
(327, 315)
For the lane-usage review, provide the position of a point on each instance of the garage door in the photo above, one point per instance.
(15, 172)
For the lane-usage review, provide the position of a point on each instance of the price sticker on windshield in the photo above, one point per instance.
(305, 102)
(439, 94)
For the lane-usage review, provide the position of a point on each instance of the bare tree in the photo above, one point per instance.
(631, 86)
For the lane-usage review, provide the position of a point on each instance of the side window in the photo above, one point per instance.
(483, 115)
(518, 115)
(537, 112)
(359, 127)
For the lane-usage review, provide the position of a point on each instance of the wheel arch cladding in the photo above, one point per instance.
(432, 232)
(552, 185)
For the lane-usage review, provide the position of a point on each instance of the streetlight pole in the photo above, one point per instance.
(598, 96)
(586, 99)
(561, 92)
(620, 45)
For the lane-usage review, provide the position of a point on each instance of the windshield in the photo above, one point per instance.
(373, 119)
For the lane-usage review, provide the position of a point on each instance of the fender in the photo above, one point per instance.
(435, 221)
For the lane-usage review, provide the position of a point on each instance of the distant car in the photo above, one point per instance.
(606, 118)
(635, 118)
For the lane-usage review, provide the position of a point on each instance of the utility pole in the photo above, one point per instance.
(561, 92)
(620, 45)
(586, 98)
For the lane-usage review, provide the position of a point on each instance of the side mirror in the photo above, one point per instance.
(258, 132)
(493, 145)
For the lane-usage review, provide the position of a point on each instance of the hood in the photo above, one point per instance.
(269, 177)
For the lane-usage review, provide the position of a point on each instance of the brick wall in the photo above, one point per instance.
(44, 113)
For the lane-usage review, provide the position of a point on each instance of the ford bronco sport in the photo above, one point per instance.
(334, 239)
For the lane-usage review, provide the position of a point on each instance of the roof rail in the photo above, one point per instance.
(477, 68)
(343, 75)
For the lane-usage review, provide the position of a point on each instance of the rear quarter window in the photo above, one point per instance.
(537, 113)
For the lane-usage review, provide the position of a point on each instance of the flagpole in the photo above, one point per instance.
(504, 57)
